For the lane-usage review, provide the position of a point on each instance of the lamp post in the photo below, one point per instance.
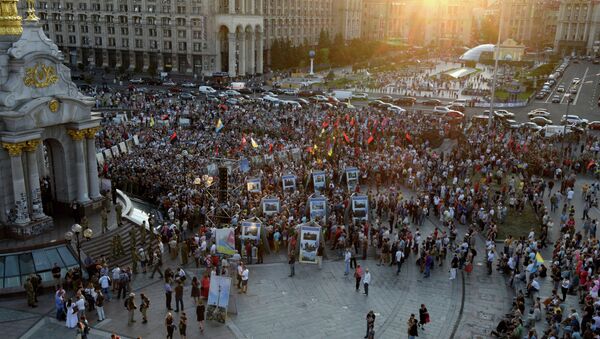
(496, 55)
(75, 232)
(311, 55)
(563, 143)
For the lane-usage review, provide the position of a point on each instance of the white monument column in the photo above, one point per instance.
(242, 58)
(251, 66)
(259, 53)
(35, 193)
(92, 167)
(80, 170)
(232, 50)
(18, 181)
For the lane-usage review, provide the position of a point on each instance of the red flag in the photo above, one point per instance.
(216, 149)
(408, 137)
(370, 140)
(270, 148)
(352, 122)
(337, 123)
(590, 164)
(309, 149)
(346, 138)
(164, 117)
(244, 141)
(173, 137)
(325, 124)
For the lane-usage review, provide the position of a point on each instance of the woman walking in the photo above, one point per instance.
(72, 311)
(358, 273)
(412, 325)
(423, 316)
(200, 315)
(170, 326)
(182, 325)
(195, 289)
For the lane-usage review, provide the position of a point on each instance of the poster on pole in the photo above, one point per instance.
(107, 154)
(218, 298)
(318, 207)
(352, 178)
(270, 206)
(253, 185)
(115, 151)
(225, 239)
(360, 208)
(100, 158)
(318, 181)
(309, 243)
(289, 183)
(250, 230)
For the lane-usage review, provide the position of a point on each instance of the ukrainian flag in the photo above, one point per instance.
(538, 258)
(254, 144)
(219, 125)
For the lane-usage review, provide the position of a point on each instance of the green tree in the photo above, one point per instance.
(324, 41)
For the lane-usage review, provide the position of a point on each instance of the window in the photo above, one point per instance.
(151, 8)
(197, 47)
(197, 34)
(166, 21)
(125, 43)
(82, 6)
(58, 27)
(111, 30)
(95, 18)
(139, 31)
(122, 8)
(83, 29)
(69, 6)
(180, 22)
(72, 39)
(196, 10)
(111, 42)
(182, 46)
(166, 9)
(85, 40)
(153, 44)
(71, 28)
(167, 45)
(124, 31)
(59, 39)
(137, 20)
(123, 19)
(109, 7)
(139, 43)
(167, 33)
(98, 41)
(181, 34)
(109, 19)
(96, 7)
(151, 21)
(97, 29)
(69, 17)
(152, 32)
(180, 9)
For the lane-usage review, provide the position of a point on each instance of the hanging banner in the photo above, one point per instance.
(289, 182)
(253, 185)
(351, 178)
(218, 298)
(318, 181)
(270, 206)
(309, 243)
(318, 207)
(360, 208)
(225, 239)
(250, 230)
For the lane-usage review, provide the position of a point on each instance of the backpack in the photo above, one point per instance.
(126, 302)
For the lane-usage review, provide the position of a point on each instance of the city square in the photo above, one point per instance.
(299, 169)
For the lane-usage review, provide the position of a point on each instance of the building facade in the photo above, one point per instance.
(187, 36)
(347, 18)
(578, 27)
(532, 22)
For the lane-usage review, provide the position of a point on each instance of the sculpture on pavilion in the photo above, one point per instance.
(46, 128)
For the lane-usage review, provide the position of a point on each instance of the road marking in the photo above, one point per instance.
(580, 87)
(588, 82)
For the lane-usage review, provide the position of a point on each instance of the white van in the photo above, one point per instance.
(206, 90)
(551, 130)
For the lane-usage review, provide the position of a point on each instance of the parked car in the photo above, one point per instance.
(136, 81)
(560, 89)
(405, 101)
(572, 120)
(360, 96)
(532, 126)
(232, 93)
(186, 96)
(540, 95)
(170, 83)
(376, 103)
(457, 107)
(188, 84)
(386, 98)
(396, 109)
(290, 91)
(455, 115)
(504, 114)
(206, 90)
(541, 121)
(594, 125)
(303, 101)
(431, 102)
(556, 99)
(441, 109)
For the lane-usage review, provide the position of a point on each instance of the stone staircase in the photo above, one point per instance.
(101, 245)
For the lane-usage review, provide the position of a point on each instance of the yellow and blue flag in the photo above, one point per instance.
(219, 125)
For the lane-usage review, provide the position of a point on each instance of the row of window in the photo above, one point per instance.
(166, 21)
(152, 32)
(138, 43)
(109, 7)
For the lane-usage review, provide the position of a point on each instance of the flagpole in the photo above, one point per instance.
(496, 56)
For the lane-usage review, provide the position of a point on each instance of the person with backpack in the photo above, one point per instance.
(144, 307)
(130, 306)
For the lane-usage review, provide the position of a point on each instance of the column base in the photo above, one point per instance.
(30, 229)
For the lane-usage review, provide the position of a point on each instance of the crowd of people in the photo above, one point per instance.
(475, 183)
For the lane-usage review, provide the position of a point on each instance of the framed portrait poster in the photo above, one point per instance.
(253, 185)
(318, 180)
(289, 182)
(318, 207)
(250, 230)
(270, 206)
(352, 178)
(309, 243)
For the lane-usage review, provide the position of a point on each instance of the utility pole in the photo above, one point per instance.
(496, 56)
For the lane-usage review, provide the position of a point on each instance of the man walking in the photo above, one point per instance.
(131, 307)
(399, 259)
(366, 281)
(292, 262)
(453, 267)
(490, 261)
(358, 274)
(245, 276)
(156, 265)
(144, 307)
(370, 325)
(347, 257)
(178, 295)
(100, 306)
(168, 295)
(105, 285)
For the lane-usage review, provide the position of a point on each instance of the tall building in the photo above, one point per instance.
(347, 18)
(531, 22)
(297, 20)
(375, 19)
(578, 27)
(187, 36)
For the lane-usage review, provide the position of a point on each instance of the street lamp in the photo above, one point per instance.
(496, 55)
(76, 230)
